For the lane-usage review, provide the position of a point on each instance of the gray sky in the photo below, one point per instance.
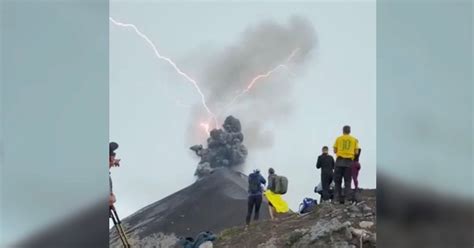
(153, 109)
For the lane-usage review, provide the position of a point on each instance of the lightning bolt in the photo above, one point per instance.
(255, 79)
(261, 76)
(173, 64)
(204, 125)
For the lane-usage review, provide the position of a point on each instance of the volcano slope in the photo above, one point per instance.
(213, 203)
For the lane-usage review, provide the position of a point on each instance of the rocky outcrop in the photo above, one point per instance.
(328, 225)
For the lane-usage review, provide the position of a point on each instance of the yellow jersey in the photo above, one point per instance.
(346, 146)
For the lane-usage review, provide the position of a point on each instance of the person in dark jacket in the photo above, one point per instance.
(326, 164)
(256, 182)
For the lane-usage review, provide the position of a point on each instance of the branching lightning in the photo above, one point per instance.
(261, 76)
(205, 125)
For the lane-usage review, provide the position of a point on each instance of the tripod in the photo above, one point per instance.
(118, 224)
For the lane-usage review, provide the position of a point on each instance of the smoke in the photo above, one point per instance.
(260, 49)
(224, 148)
(258, 136)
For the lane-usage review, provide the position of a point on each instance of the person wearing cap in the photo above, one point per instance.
(255, 191)
(271, 186)
(346, 148)
(113, 162)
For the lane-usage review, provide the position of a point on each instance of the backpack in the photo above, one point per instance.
(307, 205)
(254, 183)
(281, 185)
(201, 239)
(204, 237)
(186, 242)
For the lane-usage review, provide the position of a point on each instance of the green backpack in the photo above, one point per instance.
(281, 185)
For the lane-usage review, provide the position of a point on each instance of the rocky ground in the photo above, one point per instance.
(328, 225)
(215, 203)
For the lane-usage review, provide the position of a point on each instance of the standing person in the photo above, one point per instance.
(345, 148)
(256, 181)
(356, 169)
(326, 164)
(271, 186)
(113, 162)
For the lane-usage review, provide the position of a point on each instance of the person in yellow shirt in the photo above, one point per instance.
(345, 148)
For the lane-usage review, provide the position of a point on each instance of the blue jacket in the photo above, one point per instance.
(262, 181)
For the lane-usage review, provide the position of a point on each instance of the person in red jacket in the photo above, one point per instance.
(355, 170)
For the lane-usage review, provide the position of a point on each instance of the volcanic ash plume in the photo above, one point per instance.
(258, 71)
(224, 148)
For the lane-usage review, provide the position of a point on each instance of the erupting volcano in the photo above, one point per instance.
(224, 148)
(218, 200)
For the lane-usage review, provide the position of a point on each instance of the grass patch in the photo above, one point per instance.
(229, 233)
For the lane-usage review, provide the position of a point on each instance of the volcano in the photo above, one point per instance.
(212, 203)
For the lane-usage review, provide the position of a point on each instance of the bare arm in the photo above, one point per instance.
(335, 145)
(112, 199)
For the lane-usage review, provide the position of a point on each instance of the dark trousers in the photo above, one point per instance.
(253, 201)
(326, 179)
(342, 171)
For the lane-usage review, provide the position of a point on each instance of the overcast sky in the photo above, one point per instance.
(153, 109)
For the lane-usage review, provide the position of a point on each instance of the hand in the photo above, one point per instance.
(116, 162)
(112, 200)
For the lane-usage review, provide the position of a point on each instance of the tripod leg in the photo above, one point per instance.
(120, 228)
(116, 224)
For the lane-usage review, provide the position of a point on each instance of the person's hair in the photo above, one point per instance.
(325, 148)
(271, 171)
(346, 129)
(112, 147)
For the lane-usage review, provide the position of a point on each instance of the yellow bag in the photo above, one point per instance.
(278, 203)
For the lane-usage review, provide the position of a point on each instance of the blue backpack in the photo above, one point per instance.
(307, 205)
(254, 183)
